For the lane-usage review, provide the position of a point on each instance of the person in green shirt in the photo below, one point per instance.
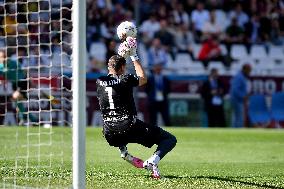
(12, 71)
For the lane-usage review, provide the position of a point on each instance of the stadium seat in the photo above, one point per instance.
(238, 52)
(234, 68)
(277, 106)
(223, 49)
(264, 66)
(258, 52)
(98, 51)
(196, 68)
(278, 68)
(257, 110)
(182, 58)
(276, 53)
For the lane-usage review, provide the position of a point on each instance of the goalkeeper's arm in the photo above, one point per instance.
(140, 72)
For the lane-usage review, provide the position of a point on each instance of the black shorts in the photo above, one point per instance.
(22, 86)
(139, 132)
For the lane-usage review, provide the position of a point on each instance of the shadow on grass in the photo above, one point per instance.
(234, 180)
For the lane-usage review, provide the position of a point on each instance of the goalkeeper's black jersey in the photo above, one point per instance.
(115, 94)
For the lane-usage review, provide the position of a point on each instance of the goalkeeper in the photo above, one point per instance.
(121, 126)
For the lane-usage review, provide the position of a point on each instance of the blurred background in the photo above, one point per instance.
(214, 63)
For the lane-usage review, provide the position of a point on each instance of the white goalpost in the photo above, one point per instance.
(42, 93)
(79, 92)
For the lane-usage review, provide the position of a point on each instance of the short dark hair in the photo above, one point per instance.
(116, 62)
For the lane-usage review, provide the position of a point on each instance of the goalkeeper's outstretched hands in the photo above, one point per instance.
(128, 48)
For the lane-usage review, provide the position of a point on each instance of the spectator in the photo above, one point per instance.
(211, 27)
(111, 49)
(265, 27)
(118, 13)
(157, 90)
(275, 33)
(211, 51)
(146, 8)
(198, 18)
(212, 93)
(240, 15)
(180, 16)
(108, 28)
(239, 95)
(162, 13)
(281, 24)
(234, 34)
(148, 28)
(156, 54)
(190, 6)
(184, 40)
(166, 38)
(252, 30)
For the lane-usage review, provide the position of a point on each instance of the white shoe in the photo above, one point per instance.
(153, 168)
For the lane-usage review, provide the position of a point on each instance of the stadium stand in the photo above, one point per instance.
(261, 42)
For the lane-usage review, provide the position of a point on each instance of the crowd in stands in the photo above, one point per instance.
(175, 26)
(35, 36)
(202, 30)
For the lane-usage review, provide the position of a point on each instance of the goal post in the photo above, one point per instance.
(42, 93)
(79, 92)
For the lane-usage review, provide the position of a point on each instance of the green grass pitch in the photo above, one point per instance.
(203, 158)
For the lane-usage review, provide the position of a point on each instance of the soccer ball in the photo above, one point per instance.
(126, 29)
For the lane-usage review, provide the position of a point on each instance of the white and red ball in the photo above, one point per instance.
(126, 29)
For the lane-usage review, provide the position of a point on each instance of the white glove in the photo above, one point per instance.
(128, 48)
(132, 43)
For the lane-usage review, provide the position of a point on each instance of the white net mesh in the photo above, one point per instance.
(35, 93)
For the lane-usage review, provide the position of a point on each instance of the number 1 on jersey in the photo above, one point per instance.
(110, 99)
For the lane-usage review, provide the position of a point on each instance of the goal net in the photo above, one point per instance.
(36, 99)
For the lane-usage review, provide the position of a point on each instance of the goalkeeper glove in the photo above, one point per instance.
(128, 48)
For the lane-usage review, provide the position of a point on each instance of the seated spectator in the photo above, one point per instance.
(240, 15)
(265, 27)
(162, 13)
(148, 29)
(211, 27)
(118, 13)
(275, 33)
(198, 18)
(212, 92)
(166, 38)
(108, 28)
(252, 30)
(111, 49)
(281, 24)
(157, 54)
(234, 34)
(180, 16)
(184, 40)
(211, 51)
